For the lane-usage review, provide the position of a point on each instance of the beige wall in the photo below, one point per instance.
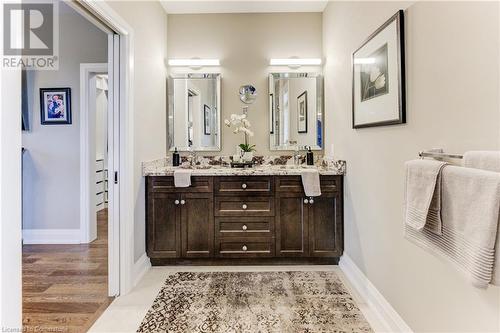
(453, 103)
(51, 163)
(149, 21)
(245, 43)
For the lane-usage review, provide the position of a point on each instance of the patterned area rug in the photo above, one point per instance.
(254, 302)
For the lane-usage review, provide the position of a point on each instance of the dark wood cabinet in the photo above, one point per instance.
(253, 218)
(292, 225)
(164, 226)
(325, 227)
(197, 225)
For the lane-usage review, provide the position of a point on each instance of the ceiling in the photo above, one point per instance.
(241, 6)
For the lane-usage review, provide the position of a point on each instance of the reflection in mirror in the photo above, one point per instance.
(248, 94)
(194, 112)
(296, 111)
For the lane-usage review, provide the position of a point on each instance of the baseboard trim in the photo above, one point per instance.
(141, 266)
(51, 236)
(371, 296)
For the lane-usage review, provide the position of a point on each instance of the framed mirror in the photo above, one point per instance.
(296, 111)
(194, 109)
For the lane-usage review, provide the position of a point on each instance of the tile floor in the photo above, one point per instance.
(126, 313)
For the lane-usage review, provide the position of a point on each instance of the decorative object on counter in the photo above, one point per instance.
(310, 156)
(378, 90)
(248, 94)
(242, 125)
(55, 106)
(302, 113)
(176, 159)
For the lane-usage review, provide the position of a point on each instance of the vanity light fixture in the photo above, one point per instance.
(193, 62)
(295, 62)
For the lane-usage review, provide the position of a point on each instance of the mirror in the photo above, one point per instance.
(296, 111)
(248, 94)
(193, 118)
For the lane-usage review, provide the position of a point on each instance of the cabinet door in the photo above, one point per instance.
(163, 226)
(325, 226)
(197, 225)
(291, 225)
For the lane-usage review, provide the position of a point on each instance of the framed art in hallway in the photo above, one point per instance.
(378, 77)
(302, 113)
(55, 106)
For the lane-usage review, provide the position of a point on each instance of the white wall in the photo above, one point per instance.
(245, 43)
(453, 103)
(149, 22)
(51, 189)
(101, 133)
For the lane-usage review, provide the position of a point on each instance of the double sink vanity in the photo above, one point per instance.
(255, 215)
(231, 216)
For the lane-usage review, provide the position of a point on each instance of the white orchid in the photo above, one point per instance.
(374, 73)
(380, 82)
(241, 125)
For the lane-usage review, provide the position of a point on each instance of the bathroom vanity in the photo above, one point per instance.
(243, 216)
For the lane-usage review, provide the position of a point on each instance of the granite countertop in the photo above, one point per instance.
(269, 167)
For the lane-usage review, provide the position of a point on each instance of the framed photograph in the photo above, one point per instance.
(378, 77)
(302, 113)
(206, 120)
(55, 106)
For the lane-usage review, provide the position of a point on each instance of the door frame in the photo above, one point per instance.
(123, 227)
(87, 70)
(10, 172)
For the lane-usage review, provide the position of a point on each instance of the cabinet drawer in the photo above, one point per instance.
(294, 184)
(246, 247)
(243, 185)
(244, 206)
(244, 226)
(166, 184)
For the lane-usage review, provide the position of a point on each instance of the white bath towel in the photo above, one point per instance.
(423, 194)
(485, 160)
(470, 212)
(182, 177)
(310, 181)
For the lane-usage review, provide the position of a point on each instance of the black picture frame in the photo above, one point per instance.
(206, 120)
(63, 94)
(271, 125)
(398, 18)
(302, 98)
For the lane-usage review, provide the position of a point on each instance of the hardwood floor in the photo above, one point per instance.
(65, 287)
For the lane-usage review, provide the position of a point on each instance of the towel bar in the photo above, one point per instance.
(423, 154)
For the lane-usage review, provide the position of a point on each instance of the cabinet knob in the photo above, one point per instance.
(176, 202)
(244, 227)
(183, 202)
(244, 206)
(244, 248)
(306, 201)
(311, 201)
(243, 186)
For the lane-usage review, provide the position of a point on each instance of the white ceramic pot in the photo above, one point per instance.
(248, 156)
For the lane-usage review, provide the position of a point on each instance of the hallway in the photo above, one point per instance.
(65, 287)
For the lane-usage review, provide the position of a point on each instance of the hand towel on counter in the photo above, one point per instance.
(310, 181)
(485, 160)
(182, 177)
(470, 213)
(423, 194)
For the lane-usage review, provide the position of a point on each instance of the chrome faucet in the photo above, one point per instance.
(192, 157)
(296, 156)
